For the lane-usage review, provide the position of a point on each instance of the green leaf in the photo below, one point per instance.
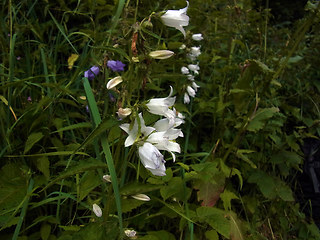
(32, 139)
(136, 187)
(260, 118)
(45, 231)
(43, 166)
(129, 204)
(88, 182)
(82, 166)
(265, 183)
(212, 235)
(175, 189)
(226, 197)
(216, 218)
(159, 235)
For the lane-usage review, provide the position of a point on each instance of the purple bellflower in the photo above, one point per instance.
(116, 66)
(92, 72)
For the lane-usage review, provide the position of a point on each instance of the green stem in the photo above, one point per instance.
(106, 150)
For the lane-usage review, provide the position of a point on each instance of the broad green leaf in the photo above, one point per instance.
(260, 118)
(175, 188)
(265, 183)
(43, 166)
(32, 139)
(136, 188)
(129, 204)
(45, 231)
(160, 235)
(212, 235)
(88, 182)
(216, 218)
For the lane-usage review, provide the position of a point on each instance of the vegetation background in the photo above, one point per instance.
(239, 173)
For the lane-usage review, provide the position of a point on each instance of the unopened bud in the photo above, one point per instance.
(161, 54)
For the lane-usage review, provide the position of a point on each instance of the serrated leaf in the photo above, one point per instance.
(175, 189)
(261, 117)
(216, 218)
(129, 204)
(226, 197)
(32, 139)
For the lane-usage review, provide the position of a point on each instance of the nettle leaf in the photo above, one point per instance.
(175, 189)
(209, 191)
(261, 117)
(226, 197)
(271, 187)
(32, 139)
(216, 218)
(129, 204)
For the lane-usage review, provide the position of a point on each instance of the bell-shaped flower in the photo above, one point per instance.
(195, 86)
(165, 141)
(191, 91)
(160, 106)
(194, 53)
(97, 210)
(152, 159)
(92, 72)
(177, 19)
(133, 133)
(194, 67)
(114, 82)
(116, 66)
(184, 70)
(161, 54)
(186, 98)
(197, 37)
(164, 124)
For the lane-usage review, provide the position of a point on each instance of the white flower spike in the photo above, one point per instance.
(177, 19)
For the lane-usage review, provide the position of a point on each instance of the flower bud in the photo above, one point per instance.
(161, 54)
(197, 37)
(114, 82)
(97, 210)
(106, 178)
(123, 112)
(141, 197)
(130, 233)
